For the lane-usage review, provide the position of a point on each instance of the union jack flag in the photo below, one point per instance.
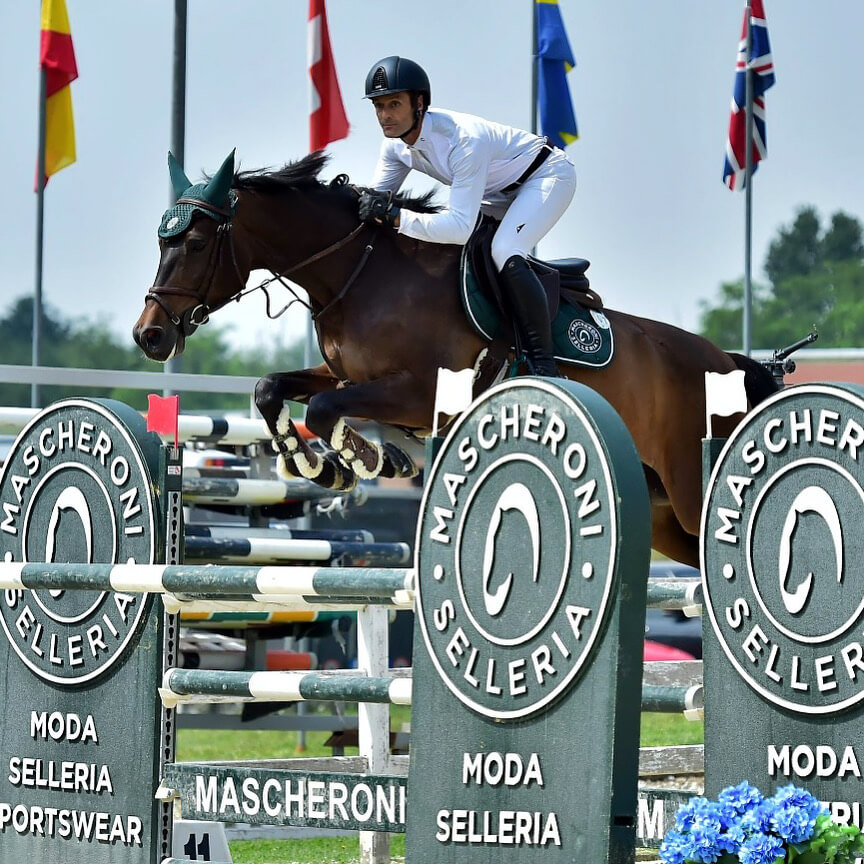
(762, 66)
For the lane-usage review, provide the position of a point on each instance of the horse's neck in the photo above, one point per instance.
(285, 234)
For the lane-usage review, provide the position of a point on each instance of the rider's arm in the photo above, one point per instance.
(469, 162)
(390, 172)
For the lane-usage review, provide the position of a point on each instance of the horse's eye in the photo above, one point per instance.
(196, 244)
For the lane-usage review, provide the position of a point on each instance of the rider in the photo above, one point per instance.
(516, 176)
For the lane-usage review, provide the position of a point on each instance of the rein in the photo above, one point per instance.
(198, 315)
(333, 247)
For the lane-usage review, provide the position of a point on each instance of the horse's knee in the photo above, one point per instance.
(322, 413)
(268, 396)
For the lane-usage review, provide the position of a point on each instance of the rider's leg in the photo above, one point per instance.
(527, 301)
(536, 207)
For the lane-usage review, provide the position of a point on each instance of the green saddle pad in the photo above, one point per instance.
(582, 337)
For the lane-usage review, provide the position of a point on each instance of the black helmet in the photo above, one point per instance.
(395, 74)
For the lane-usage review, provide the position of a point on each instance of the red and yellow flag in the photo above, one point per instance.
(57, 58)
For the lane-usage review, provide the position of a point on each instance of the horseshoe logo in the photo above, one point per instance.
(812, 499)
(71, 498)
(517, 496)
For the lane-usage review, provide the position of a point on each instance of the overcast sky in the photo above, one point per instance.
(651, 90)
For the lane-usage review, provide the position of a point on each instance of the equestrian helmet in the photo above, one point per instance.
(395, 75)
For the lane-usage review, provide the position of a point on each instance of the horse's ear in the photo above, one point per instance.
(179, 180)
(216, 191)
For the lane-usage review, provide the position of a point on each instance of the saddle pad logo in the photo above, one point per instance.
(601, 320)
(74, 489)
(516, 550)
(584, 336)
(782, 546)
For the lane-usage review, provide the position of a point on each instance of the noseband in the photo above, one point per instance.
(190, 320)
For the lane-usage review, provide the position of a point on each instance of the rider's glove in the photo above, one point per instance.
(377, 207)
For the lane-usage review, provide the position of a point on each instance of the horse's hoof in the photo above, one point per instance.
(403, 464)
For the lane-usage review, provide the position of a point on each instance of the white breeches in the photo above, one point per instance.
(536, 206)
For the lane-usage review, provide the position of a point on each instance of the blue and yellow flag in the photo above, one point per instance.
(554, 61)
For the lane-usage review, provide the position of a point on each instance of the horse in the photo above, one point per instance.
(388, 314)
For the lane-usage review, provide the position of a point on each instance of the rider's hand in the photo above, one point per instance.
(378, 207)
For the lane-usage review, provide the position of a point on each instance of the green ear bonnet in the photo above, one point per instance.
(215, 199)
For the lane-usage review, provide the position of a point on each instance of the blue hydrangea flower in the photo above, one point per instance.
(793, 813)
(742, 823)
(672, 848)
(758, 819)
(792, 796)
(761, 848)
(686, 814)
(733, 838)
(706, 839)
(742, 797)
(793, 824)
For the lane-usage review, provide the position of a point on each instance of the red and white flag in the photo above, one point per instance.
(327, 119)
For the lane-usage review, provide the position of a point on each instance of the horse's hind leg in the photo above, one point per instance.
(670, 538)
(296, 458)
(397, 399)
(667, 534)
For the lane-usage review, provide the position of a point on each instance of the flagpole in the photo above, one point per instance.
(40, 222)
(534, 63)
(748, 176)
(178, 123)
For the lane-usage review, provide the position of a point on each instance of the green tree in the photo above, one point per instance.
(722, 323)
(86, 344)
(796, 250)
(816, 279)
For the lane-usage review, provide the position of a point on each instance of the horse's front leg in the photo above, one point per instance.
(296, 458)
(397, 400)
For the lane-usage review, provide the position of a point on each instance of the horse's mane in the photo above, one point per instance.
(302, 174)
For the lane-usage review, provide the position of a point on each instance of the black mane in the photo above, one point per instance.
(302, 174)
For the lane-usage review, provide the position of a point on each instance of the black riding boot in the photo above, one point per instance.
(527, 300)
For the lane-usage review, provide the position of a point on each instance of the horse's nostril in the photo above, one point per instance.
(151, 338)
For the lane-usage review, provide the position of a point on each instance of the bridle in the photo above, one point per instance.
(190, 320)
(194, 317)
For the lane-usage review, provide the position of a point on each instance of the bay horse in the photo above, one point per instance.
(388, 314)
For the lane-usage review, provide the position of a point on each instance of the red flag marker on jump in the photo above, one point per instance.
(162, 414)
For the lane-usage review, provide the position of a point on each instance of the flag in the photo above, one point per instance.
(162, 414)
(327, 120)
(725, 395)
(762, 67)
(453, 393)
(57, 59)
(554, 61)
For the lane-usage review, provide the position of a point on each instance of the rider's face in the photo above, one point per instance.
(395, 113)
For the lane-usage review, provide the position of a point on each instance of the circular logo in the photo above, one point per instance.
(517, 543)
(74, 489)
(600, 319)
(781, 549)
(584, 336)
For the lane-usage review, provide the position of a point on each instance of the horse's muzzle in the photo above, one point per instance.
(157, 342)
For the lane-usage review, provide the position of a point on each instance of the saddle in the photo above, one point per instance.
(563, 278)
(581, 333)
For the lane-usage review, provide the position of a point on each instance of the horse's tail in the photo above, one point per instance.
(758, 381)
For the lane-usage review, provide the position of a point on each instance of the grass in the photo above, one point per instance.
(336, 850)
(195, 745)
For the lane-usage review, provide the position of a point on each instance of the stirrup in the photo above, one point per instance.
(551, 374)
